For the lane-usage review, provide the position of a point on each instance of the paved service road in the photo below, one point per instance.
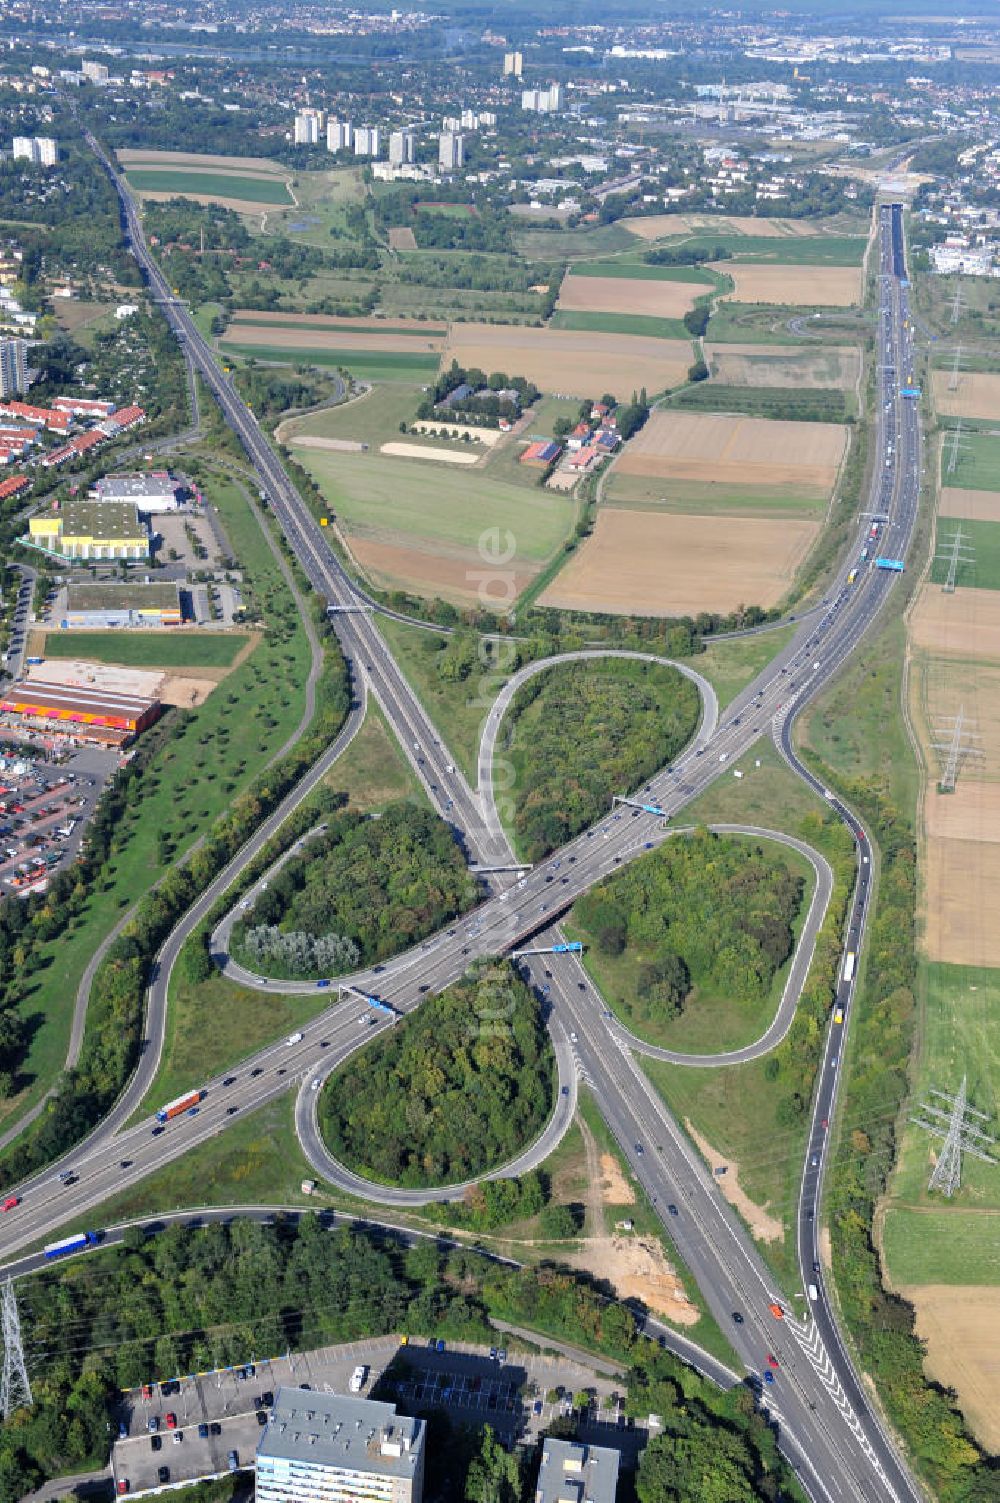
(825, 1422)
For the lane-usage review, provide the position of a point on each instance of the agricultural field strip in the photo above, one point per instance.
(795, 285)
(659, 299)
(134, 156)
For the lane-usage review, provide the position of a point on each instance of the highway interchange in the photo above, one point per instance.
(826, 1422)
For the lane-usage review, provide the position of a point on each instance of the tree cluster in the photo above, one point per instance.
(582, 732)
(300, 954)
(460, 1087)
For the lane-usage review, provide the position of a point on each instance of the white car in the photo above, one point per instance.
(294, 1038)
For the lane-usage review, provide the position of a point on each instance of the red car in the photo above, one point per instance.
(777, 1311)
(11, 1202)
(772, 1360)
(123, 1484)
(171, 1421)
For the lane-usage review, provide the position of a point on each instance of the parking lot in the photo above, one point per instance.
(216, 1413)
(44, 808)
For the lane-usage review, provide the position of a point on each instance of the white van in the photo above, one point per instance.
(295, 1038)
(813, 1292)
(357, 1381)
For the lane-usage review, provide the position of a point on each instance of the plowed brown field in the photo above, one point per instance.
(675, 564)
(660, 299)
(454, 575)
(731, 450)
(971, 506)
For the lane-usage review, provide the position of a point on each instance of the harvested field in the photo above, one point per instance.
(822, 286)
(976, 396)
(765, 1228)
(659, 299)
(352, 324)
(659, 226)
(429, 451)
(970, 506)
(308, 337)
(488, 437)
(961, 1326)
(972, 812)
(402, 238)
(960, 900)
(135, 156)
(940, 687)
(677, 564)
(963, 625)
(736, 451)
(779, 365)
(569, 361)
(454, 574)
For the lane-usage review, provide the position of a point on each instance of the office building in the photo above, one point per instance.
(13, 368)
(451, 150)
(366, 141)
(308, 124)
(339, 135)
(95, 73)
(328, 1448)
(513, 64)
(572, 1472)
(401, 148)
(546, 101)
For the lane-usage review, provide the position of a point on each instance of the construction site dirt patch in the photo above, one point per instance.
(961, 1326)
(976, 394)
(660, 299)
(455, 576)
(736, 451)
(970, 506)
(778, 365)
(636, 1268)
(822, 286)
(615, 1188)
(677, 564)
(313, 441)
(963, 625)
(764, 1226)
(572, 362)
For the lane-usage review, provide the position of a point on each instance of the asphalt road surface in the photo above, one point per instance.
(825, 1421)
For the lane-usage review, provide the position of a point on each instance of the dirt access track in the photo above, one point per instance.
(679, 563)
(569, 361)
(976, 395)
(738, 451)
(659, 299)
(798, 286)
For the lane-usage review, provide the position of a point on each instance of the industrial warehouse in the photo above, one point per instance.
(87, 714)
(91, 530)
(106, 606)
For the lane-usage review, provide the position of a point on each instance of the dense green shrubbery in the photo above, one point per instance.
(457, 1089)
(709, 912)
(381, 883)
(582, 732)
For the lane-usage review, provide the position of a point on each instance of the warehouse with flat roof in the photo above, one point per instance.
(150, 493)
(91, 530)
(94, 606)
(327, 1448)
(112, 719)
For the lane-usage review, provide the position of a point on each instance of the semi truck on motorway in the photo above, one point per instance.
(178, 1105)
(79, 1243)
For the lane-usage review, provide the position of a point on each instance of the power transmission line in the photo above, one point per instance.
(953, 379)
(960, 1136)
(957, 746)
(956, 307)
(15, 1385)
(956, 443)
(958, 552)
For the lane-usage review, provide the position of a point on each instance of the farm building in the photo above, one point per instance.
(90, 714)
(91, 530)
(150, 493)
(90, 606)
(541, 453)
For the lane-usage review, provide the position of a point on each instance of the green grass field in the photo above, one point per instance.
(730, 665)
(620, 323)
(373, 420)
(785, 250)
(977, 466)
(949, 1246)
(555, 245)
(813, 405)
(764, 323)
(437, 504)
(373, 771)
(380, 365)
(642, 491)
(251, 190)
(148, 649)
(982, 544)
(634, 268)
(321, 212)
(212, 755)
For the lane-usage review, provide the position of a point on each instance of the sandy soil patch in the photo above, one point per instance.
(961, 1326)
(313, 441)
(971, 506)
(778, 365)
(657, 226)
(357, 322)
(187, 690)
(615, 1188)
(570, 361)
(677, 564)
(303, 337)
(562, 480)
(736, 451)
(402, 238)
(662, 299)
(824, 286)
(134, 156)
(430, 451)
(455, 576)
(238, 205)
(765, 1227)
(963, 625)
(488, 437)
(960, 900)
(977, 395)
(636, 1268)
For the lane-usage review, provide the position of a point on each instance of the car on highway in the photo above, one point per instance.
(768, 1376)
(203, 1431)
(772, 1360)
(163, 1474)
(156, 1443)
(672, 1209)
(10, 1202)
(171, 1420)
(737, 1318)
(776, 1310)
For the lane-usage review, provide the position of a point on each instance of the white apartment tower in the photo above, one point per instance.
(401, 148)
(327, 1448)
(366, 141)
(339, 135)
(451, 150)
(13, 368)
(307, 127)
(513, 64)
